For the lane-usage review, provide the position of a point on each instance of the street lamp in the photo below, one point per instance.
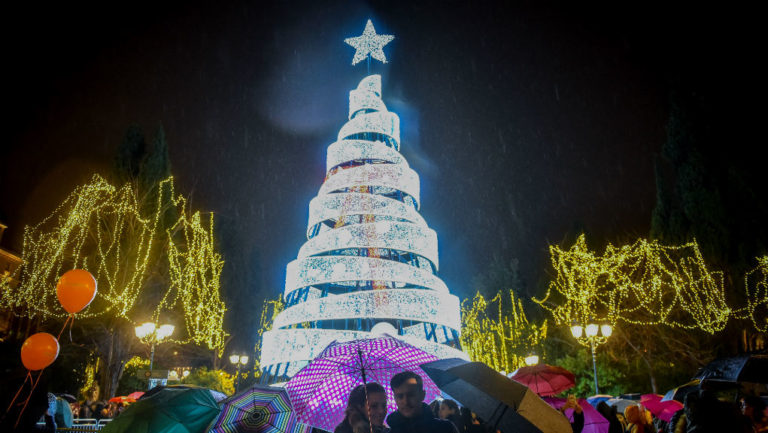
(150, 334)
(531, 359)
(592, 335)
(238, 360)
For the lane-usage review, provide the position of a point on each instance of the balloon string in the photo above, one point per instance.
(28, 398)
(71, 317)
(28, 376)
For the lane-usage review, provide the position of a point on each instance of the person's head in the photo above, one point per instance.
(377, 402)
(753, 407)
(634, 414)
(447, 408)
(409, 393)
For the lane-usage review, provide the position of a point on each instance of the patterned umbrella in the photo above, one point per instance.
(320, 390)
(545, 380)
(258, 409)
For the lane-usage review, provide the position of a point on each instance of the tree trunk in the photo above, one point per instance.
(113, 352)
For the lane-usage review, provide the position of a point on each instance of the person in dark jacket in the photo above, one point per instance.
(412, 414)
(356, 419)
(449, 410)
(609, 413)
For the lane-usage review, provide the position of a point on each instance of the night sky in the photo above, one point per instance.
(527, 122)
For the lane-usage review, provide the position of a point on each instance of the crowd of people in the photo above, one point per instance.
(703, 412)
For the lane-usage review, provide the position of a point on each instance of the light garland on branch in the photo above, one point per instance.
(497, 336)
(109, 232)
(756, 287)
(644, 283)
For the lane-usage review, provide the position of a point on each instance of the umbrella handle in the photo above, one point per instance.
(365, 389)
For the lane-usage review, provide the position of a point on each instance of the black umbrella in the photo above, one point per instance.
(744, 368)
(505, 404)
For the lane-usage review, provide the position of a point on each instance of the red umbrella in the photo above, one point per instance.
(136, 395)
(545, 379)
(663, 410)
(122, 399)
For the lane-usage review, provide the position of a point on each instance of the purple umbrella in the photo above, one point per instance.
(320, 390)
(593, 421)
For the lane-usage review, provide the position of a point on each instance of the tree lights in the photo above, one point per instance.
(503, 338)
(123, 241)
(643, 283)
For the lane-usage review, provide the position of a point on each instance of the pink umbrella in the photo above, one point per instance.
(662, 410)
(593, 421)
(319, 392)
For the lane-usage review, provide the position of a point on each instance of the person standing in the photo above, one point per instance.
(412, 414)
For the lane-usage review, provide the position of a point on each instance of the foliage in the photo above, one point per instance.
(130, 381)
(269, 310)
(610, 378)
(498, 333)
(709, 191)
(218, 380)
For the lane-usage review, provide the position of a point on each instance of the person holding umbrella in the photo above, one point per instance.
(361, 419)
(412, 414)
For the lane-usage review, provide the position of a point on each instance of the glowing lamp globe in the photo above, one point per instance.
(591, 330)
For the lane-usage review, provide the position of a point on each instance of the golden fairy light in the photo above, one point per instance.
(146, 257)
(643, 283)
(500, 337)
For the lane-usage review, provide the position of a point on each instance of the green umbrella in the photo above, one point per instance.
(171, 410)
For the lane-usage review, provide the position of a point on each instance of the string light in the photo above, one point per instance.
(644, 283)
(500, 337)
(756, 287)
(121, 241)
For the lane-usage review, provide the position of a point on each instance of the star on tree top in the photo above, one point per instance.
(369, 43)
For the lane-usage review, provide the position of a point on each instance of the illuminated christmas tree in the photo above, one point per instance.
(370, 261)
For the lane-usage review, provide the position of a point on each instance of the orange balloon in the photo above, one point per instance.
(39, 351)
(76, 289)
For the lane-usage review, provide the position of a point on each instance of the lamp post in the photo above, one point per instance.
(592, 335)
(238, 360)
(150, 334)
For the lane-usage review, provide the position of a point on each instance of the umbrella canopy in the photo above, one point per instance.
(170, 410)
(680, 392)
(63, 415)
(502, 402)
(545, 379)
(68, 397)
(620, 403)
(319, 391)
(662, 409)
(258, 409)
(745, 368)
(594, 422)
(596, 399)
(218, 396)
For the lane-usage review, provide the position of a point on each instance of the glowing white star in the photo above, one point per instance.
(369, 43)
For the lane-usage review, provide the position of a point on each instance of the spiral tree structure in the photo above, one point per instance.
(370, 262)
